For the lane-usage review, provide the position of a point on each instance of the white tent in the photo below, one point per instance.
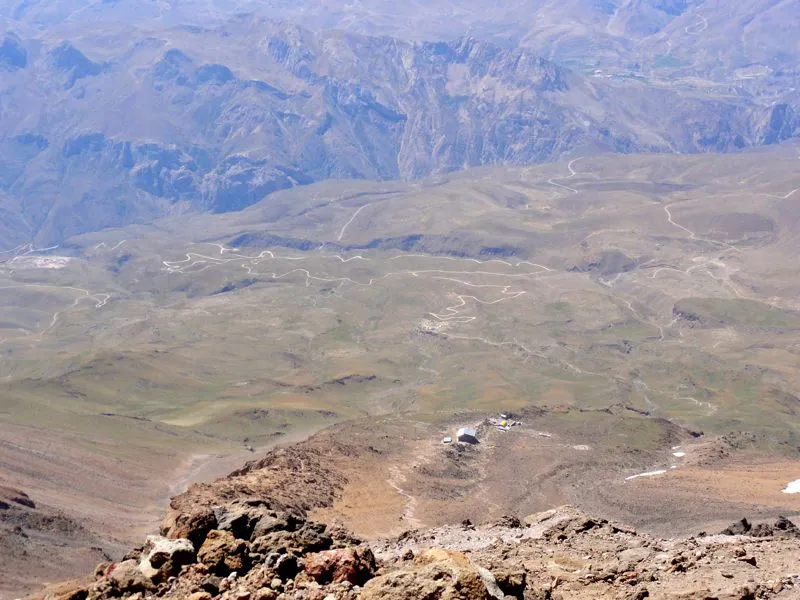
(467, 435)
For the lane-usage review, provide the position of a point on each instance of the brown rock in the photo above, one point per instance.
(222, 552)
(163, 558)
(68, 590)
(249, 519)
(101, 571)
(750, 560)
(511, 582)
(346, 564)
(435, 575)
(742, 593)
(126, 577)
(193, 525)
(509, 521)
(200, 596)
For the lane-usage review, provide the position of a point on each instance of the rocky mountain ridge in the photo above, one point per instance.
(250, 536)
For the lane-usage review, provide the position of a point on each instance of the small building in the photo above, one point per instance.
(447, 440)
(467, 435)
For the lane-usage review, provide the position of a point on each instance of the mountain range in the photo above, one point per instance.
(114, 113)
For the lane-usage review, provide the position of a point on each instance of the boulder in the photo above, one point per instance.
(241, 517)
(211, 585)
(569, 527)
(354, 565)
(512, 581)
(193, 526)
(341, 536)
(222, 553)
(162, 558)
(740, 527)
(509, 521)
(435, 574)
(540, 517)
(270, 523)
(783, 527)
(126, 577)
(251, 519)
(311, 537)
(279, 542)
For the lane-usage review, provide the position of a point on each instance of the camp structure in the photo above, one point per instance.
(467, 435)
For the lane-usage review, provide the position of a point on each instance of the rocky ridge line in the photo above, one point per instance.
(248, 537)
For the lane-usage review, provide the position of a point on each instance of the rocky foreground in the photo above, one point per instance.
(249, 537)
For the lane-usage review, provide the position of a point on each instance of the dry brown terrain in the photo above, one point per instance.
(280, 527)
(554, 458)
(89, 503)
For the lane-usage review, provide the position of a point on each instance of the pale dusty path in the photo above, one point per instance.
(398, 475)
(572, 174)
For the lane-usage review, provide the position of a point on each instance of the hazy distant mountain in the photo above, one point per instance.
(698, 34)
(104, 124)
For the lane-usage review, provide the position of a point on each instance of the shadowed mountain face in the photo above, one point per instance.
(111, 113)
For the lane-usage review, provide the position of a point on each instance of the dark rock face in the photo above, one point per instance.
(13, 55)
(781, 124)
(67, 59)
(11, 496)
(782, 527)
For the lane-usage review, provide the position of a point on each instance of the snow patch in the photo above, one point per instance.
(679, 454)
(648, 474)
(793, 487)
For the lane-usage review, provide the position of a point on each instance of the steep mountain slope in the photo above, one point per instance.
(124, 125)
